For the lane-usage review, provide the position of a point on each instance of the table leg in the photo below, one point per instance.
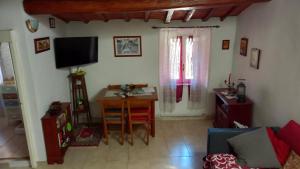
(153, 119)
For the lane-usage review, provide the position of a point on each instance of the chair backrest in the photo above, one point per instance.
(144, 106)
(114, 107)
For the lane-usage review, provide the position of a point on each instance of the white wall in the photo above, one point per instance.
(116, 70)
(273, 27)
(40, 82)
(50, 84)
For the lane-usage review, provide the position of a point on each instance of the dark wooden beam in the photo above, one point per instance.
(126, 17)
(169, 16)
(208, 14)
(222, 18)
(189, 15)
(147, 16)
(105, 19)
(245, 6)
(117, 6)
(61, 18)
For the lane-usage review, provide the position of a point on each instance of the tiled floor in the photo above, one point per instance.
(179, 144)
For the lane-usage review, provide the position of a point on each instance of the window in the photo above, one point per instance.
(181, 49)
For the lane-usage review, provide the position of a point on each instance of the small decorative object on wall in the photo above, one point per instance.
(52, 22)
(225, 44)
(244, 46)
(41, 44)
(32, 25)
(255, 57)
(125, 46)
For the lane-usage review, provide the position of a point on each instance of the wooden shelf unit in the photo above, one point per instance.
(229, 110)
(57, 137)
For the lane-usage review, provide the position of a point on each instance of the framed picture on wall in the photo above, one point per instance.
(225, 44)
(244, 46)
(52, 22)
(255, 58)
(41, 44)
(127, 46)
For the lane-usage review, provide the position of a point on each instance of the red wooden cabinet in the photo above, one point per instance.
(229, 110)
(56, 134)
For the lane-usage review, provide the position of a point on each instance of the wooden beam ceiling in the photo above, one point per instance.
(222, 18)
(147, 16)
(208, 14)
(166, 10)
(189, 15)
(169, 16)
(85, 6)
(105, 19)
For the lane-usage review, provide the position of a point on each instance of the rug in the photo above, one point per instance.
(86, 136)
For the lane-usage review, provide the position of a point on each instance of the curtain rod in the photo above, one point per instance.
(159, 27)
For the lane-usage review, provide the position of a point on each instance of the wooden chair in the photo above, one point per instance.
(139, 112)
(113, 112)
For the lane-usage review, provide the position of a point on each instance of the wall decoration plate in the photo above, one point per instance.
(32, 25)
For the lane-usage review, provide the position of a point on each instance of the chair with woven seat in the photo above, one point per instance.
(139, 112)
(113, 113)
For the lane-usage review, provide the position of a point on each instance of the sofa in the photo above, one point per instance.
(226, 146)
(217, 138)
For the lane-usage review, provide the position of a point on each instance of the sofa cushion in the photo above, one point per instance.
(290, 134)
(281, 148)
(255, 148)
(293, 161)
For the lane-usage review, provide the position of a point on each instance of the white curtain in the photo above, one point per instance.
(169, 59)
(200, 59)
(168, 70)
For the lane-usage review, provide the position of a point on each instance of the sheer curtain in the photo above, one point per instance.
(169, 45)
(169, 66)
(200, 60)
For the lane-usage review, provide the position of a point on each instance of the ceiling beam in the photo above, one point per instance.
(169, 16)
(117, 6)
(245, 6)
(126, 17)
(147, 16)
(222, 18)
(61, 18)
(104, 16)
(208, 14)
(189, 15)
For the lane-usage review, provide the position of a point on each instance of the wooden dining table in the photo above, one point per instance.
(108, 95)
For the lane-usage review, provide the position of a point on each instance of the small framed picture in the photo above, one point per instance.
(41, 44)
(244, 46)
(127, 46)
(225, 44)
(52, 22)
(255, 57)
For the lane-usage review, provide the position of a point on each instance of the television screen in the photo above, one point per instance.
(74, 51)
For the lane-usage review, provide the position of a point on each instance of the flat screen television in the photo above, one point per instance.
(75, 51)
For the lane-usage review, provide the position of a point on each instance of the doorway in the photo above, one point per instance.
(13, 144)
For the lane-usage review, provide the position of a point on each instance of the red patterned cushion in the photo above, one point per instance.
(290, 134)
(281, 148)
(222, 161)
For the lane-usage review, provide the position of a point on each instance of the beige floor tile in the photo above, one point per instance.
(117, 165)
(139, 165)
(179, 144)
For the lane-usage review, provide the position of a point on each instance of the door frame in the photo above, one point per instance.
(21, 86)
